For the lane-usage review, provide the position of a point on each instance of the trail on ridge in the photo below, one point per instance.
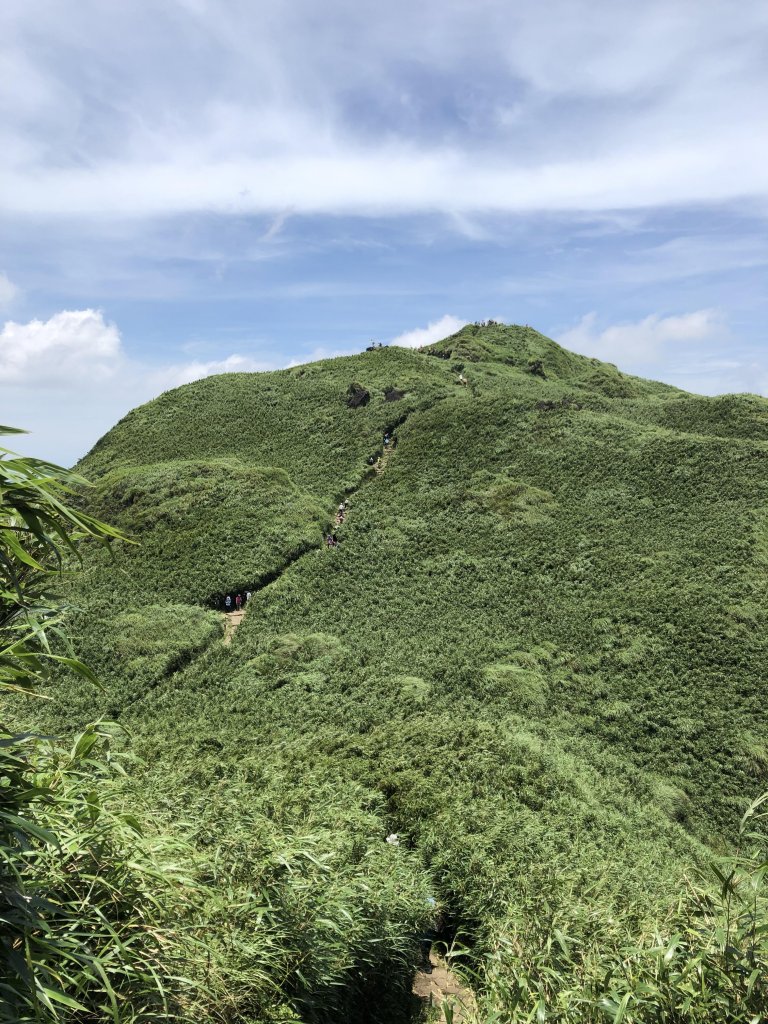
(233, 619)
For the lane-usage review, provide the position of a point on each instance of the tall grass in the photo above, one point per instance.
(537, 654)
(706, 960)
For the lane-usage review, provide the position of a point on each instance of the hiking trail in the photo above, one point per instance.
(383, 459)
(233, 619)
(441, 988)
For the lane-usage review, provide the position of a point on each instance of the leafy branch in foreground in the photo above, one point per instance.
(80, 886)
(39, 527)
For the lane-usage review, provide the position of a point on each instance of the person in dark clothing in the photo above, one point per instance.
(430, 934)
(239, 602)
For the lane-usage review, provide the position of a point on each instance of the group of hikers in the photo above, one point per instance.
(332, 540)
(390, 441)
(236, 603)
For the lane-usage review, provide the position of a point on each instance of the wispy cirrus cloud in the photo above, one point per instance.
(574, 106)
(8, 291)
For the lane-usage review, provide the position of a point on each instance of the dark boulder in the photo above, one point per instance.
(393, 395)
(357, 395)
(536, 367)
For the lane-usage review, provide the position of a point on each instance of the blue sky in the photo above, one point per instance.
(204, 185)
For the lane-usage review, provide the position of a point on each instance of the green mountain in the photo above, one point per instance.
(537, 655)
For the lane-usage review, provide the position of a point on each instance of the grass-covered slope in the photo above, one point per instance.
(537, 653)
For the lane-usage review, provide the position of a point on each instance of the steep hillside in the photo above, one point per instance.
(536, 654)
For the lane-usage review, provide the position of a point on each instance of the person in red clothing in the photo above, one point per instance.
(239, 602)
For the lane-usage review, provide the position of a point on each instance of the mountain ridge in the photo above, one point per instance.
(535, 654)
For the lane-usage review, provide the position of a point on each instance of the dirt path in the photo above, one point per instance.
(383, 459)
(442, 988)
(231, 621)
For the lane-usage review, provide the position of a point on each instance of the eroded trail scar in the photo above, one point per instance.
(233, 619)
(441, 988)
(384, 457)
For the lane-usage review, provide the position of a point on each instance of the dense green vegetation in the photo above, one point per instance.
(537, 655)
(79, 883)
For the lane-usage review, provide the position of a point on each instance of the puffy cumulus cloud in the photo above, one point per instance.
(434, 331)
(71, 345)
(318, 353)
(176, 375)
(8, 291)
(644, 341)
(68, 380)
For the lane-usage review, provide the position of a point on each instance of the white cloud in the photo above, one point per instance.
(79, 346)
(174, 376)
(644, 341)
(70, 345)
(68, 380)
(277, 225)
(434, 331)
(394, 180)
(657, 107)
(8, 291)
(318, 353)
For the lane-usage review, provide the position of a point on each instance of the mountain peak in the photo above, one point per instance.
(513, 344)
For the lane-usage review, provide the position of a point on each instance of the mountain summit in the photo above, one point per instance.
(531, 645)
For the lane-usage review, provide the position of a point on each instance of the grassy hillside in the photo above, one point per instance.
(537, 653)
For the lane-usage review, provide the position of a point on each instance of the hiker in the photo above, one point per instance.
(247, 596)
(228, 603)
(430, 934)
(386, 439)
(239, 602)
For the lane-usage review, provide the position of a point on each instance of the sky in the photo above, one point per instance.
(191, 187)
